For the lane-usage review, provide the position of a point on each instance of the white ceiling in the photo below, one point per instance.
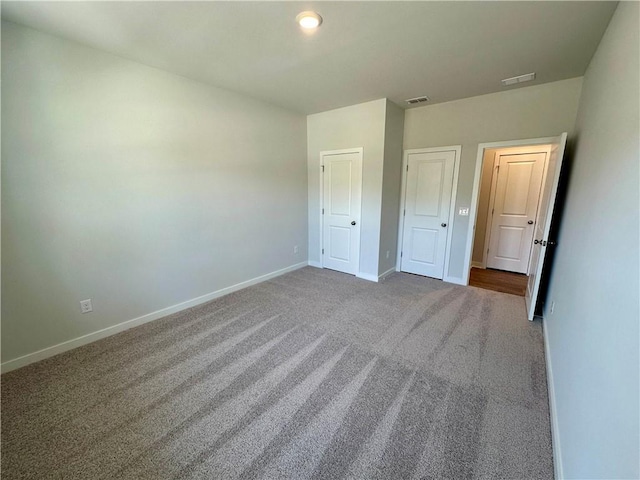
(363, 50)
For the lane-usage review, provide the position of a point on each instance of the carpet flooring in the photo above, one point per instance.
(314, 374)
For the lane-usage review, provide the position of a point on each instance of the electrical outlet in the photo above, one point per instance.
(295, 249)
(552, 307)
(463, 211)
(85, 306)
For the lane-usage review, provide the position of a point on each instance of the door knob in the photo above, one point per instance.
(353, 222)
(443, 225)
(535, 242)
(530, 222)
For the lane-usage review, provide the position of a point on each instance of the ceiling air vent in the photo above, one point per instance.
(413, 101)
(519, 79)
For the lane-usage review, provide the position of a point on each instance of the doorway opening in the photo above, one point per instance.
(510, 187)
(514, 193)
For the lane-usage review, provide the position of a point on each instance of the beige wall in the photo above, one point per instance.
(483, 205)
(133, 187)
(360, 125)
(593, 332)
(391, 184)
(529, 112)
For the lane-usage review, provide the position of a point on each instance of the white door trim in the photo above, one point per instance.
(324, 153)
(473, 210)
(454, 192)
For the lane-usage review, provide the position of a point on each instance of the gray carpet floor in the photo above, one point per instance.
(313, 374)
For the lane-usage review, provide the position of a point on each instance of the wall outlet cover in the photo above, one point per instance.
(85, 306)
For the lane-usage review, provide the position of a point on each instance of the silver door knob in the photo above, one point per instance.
(353, 223)
(530, 222)
(443, 225)
(535, 242)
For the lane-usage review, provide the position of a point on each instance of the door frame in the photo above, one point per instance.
(323, 153)
(454, 193)
(494, 184)
(473, 209)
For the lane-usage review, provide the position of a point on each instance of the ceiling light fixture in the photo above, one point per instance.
(519, 79)
(309, 20)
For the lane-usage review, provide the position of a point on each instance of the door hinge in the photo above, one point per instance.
(323, 251)
(493, 210)
(404, 212)
(322, 168)
(407, 168)
(487, 250)
(323, 211)
(400, 254)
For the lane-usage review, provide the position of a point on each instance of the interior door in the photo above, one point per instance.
(342, 191)
(543, 223)
(429, 182)
(515, 206)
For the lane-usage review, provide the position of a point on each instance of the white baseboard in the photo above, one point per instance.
(478, 265)
(313, 263)
(553, 413)
(367, 276)
(456, 280)
(126, 325)
(383, 276)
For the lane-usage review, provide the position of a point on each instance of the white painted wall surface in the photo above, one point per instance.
(134, 187)
(391, 184)
(529, 112)
(592, 335)
(360, 125)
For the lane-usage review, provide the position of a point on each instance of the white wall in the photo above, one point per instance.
(360, 125)
(529, 112)
(133, 187)
(391, 186)
(593, 336)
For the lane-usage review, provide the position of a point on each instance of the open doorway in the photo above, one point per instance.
(510, 188)
(512, 203)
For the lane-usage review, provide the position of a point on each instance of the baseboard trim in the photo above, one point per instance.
(553, 412)
(367, 276)
(47, 352)
(382, 277)
(456, 280)
(478, 265)
(313, 263)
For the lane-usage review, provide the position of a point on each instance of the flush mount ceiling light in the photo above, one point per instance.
(519, 79)
(309, 20)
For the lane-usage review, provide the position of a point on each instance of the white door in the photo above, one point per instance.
(515, 205)
(429, 182)
(543, 222)
(342, 191)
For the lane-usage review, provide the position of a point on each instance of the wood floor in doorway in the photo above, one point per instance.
(499, 281)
